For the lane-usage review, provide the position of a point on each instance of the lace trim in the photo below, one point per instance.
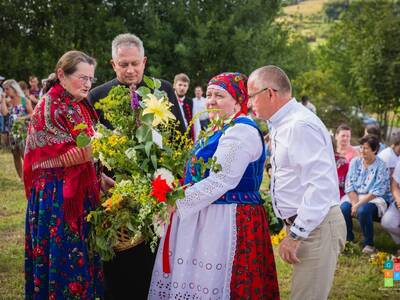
(232, 253)
(211, 186)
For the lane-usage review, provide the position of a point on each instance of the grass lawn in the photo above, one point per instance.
(355, 277)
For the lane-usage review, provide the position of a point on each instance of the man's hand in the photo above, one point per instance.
(288, 250)
(398, 203)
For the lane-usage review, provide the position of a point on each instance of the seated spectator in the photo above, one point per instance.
(342, 167)
(391, 218)
(375, 130)
(390, 155)
(367, 190)
(343, 146)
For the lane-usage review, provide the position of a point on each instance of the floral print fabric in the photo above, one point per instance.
(58, 263)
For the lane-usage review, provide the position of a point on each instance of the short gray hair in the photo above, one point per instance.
(272, 76)
(127, 40)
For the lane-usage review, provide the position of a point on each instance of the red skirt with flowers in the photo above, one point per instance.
(58, 263)
(253, 272)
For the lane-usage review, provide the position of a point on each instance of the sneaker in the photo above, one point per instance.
(369, 250)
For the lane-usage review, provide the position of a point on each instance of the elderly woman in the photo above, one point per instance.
(62, 187)
(19, 110)
(217, 245)
(367, 191)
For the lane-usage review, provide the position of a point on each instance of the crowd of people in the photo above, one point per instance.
(218, 239)
(369, 183)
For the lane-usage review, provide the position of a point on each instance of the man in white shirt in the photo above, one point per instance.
(304, 184)
(390, 155)
(199, 105)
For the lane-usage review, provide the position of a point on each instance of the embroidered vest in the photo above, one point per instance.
(247, 191)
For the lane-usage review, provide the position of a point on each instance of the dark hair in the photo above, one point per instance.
(395, 139)
(372, 141)
(68, 62)
(304, 99)
(373, 130)
(342, 127)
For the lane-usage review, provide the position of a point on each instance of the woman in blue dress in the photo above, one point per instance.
(62, 187)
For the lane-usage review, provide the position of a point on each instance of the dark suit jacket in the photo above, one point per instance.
(188, 111)
(102, 91)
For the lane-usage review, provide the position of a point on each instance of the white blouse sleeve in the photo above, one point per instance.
(239, 146)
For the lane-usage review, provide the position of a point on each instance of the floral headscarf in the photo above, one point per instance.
(235, 84)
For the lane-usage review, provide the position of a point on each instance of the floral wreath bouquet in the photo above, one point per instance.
(147, 154)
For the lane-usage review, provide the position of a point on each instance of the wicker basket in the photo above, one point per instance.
(126, 242)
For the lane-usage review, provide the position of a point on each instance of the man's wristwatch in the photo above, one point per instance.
(294, 236)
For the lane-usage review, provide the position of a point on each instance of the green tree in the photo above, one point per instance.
(363, 54)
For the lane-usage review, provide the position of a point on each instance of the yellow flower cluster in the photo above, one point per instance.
(277, 238)
(114, 140)
(113, 202)
(107, 146)
(379, 258)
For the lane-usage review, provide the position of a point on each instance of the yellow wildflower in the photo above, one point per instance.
(113, 140)
(159, 108)
(89, 217)
(122, 140)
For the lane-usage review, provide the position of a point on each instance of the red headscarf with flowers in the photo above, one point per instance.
(235, 84)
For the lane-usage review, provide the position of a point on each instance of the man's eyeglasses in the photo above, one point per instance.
(261, 91)
(85, 79)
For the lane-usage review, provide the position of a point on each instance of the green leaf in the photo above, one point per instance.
(153, 158)
(147, 148)
(148, 81)
(159, 94)
(157, 83)
(143, 91)
(143, 133)
(147, 118)
(145, 165)
(80, 126)
(130, 226)
(82, 140)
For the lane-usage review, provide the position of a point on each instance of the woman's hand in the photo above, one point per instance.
(354, 208)
(106, 183)
(398, 203)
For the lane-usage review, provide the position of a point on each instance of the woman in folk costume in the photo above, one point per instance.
(62, 187)
(217, 245)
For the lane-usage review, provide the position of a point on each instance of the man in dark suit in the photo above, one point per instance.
(181, 86)
(128, 275)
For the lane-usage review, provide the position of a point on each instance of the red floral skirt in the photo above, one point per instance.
(253, 272)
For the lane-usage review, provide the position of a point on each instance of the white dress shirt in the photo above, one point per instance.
(304, 179)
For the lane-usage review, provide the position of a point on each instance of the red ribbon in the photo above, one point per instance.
(166, 264)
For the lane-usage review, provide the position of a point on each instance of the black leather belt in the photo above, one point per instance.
(290, 221)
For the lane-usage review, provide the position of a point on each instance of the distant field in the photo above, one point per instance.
(307, 20)
(306, 8)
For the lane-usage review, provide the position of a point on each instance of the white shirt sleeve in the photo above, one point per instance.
(312, 155)
(239, 146)
(396, 173)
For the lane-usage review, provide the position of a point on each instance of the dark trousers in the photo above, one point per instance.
(128, 275)
(366, 214)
